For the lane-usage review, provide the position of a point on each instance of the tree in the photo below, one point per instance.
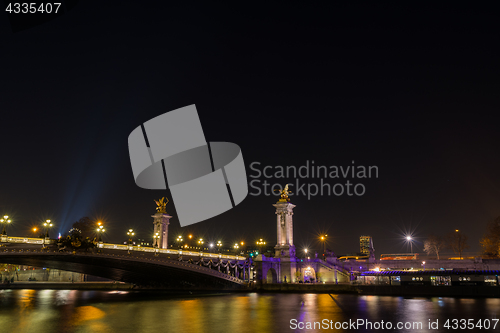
(490, 243)
(433, 245)
(457, 241)
(76, 242)
(86, 226)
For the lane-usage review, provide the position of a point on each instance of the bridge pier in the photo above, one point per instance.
(160, 223)
(285, 267)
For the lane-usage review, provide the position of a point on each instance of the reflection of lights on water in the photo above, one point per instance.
(88, 312)
(117, 292)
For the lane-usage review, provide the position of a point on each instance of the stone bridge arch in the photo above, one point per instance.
(271, 276)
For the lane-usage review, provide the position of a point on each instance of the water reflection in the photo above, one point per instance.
(94, 311)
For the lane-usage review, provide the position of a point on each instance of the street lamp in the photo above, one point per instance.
(100, 230)
(219, 244)
(323, 239)
(423, 264)
(47, 225)
(200, 243)
(260, 242)
(5, 221)
(305, 255)
(156, 239)
(156, 242)
(236, 247)
(179, 241)
(211, 245)
(130, 233)
(409, 239)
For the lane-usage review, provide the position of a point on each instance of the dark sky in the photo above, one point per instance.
(413, 90)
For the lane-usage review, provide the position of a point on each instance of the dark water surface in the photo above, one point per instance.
(100, 311)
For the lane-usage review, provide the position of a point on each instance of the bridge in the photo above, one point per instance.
(170, 268)
(144, 266)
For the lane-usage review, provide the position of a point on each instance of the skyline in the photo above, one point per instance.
(364, 83)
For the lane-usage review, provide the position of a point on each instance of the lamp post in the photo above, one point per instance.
(200, 243)
(305, 253)
(323, 239)
(5, 221)
(179, 241)
(236, 247)
(211, 246)
(130, 233)
(156, 240)
(423, 264)
(260, 242)
(47, 224)
(409, 239)
(219, 244)
(100, 230)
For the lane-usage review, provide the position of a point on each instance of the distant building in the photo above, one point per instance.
(366, 245)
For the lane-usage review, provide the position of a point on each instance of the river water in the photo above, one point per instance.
(56, 311)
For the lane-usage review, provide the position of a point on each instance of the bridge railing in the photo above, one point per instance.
(27, 240)
(124, 247)
(139, 248)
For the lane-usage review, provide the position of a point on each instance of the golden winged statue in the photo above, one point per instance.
(284, 194)
(162, 205)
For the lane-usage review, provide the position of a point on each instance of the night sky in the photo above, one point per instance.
(413, 90)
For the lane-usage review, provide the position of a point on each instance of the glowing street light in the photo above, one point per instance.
(323, 239)
(260, 242)
(100, 229)
(156, 239)
(200, 242)
(179, 240)
(211, 245)
(47, 225)
(236, 247)
(219, 244)
(130, 233)
(156, 242)
(5, 221)
(409, 239)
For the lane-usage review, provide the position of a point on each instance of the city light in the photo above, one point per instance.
(48, 224)
(323, 239)
(130, 233)
(5, 221)
(100, 230)
(410, 240)
(156, 240)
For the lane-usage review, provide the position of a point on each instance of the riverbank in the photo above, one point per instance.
(68, 285)
(317, 288)
(327, 288)
(430, 291)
